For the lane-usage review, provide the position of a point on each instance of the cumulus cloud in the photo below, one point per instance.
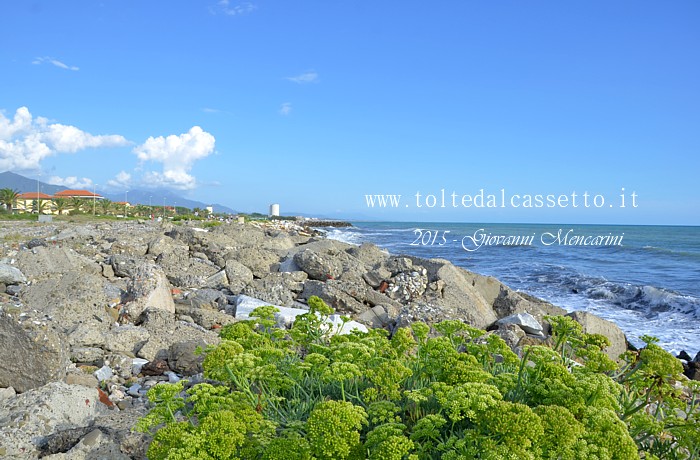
(177, 153)
(55, 62)
(121, 180)
(238, 9)
(71, 182)
(285, 109)
(26, 140)
(306, 77)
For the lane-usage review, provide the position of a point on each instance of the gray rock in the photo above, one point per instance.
(87, 355)
(592, 324)
(80, 378)
(525, 321)
(182, 357)
(127, 338)
(375, 317)
(29, 359)
(217, 281)
(375, 277)
(94, 445)
(369, 255)
(11, 275)
(398, 265)
(89, 334)
(277, 288)
(211, 299)
(103, 373)
(337, 294)
(125, 266)
(149, 288)
(206, 318)
(42, 262)
(260, 261)
(458, 299)
(238, 275)
(38, 413)
(159, 344)
(511, 335)
(320, 267)
(70, 298)
(13, 290)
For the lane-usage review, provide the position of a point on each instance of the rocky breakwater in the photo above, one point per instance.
(94, 315)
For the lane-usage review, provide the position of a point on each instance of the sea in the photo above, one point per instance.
(646, 279)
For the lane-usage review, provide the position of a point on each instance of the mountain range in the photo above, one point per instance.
(23, 184)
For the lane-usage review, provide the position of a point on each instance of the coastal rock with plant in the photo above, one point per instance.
(129, 309)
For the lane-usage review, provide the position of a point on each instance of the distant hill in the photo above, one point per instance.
(155, 197)
(24, 184)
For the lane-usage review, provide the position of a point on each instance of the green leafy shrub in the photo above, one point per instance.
(461, 394)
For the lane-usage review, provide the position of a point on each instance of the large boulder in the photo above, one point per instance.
(370, 255)
(458, 299)
(277, 288)
(30, 359)
(70, 298)
(28, 419)
(593, 324)
(149, 288)
(160, 341)
(238, 275)
(48, 261)
(11, 275)
(260, 261)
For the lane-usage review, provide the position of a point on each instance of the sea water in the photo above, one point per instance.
(644, 278)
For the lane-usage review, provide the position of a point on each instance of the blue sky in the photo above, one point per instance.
(314, 104)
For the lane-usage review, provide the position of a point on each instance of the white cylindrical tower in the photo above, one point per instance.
(274, 210)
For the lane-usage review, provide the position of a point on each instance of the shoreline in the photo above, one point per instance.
(107, 310)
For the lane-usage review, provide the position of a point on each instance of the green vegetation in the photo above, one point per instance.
(463, 394)
(8, 198)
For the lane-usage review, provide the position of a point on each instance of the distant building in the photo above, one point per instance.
(25, 201)
(274, 210)
(77, 194)
(210, 209)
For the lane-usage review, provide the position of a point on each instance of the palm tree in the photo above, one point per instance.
(106, 205)
(77, 203)
(39, 206)
(61, 205)
(8, 197)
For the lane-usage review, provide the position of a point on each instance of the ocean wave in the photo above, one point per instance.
(650, 300)
(344, 235)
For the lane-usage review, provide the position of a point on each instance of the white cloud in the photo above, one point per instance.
(210, 110)
(285, 109)
(71, 182)
(55, 62)
(177, 154)
(306, 77)
(25, 141)
(238, 9)
(121, 180)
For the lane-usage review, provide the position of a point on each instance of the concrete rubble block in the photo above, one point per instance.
(30, 358)
(217, 280)
(95, 444)
(593, 324)
(126, 338)
(44, 261)
(277, 288)
(374, 278)
(340, 296)
(525, 321)
(183, 357)
(238, 275)
(370, 255)
(260, 261)
(149, 288)
(28, 419)
(11, 275)
(159, 344)
(69, 299)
